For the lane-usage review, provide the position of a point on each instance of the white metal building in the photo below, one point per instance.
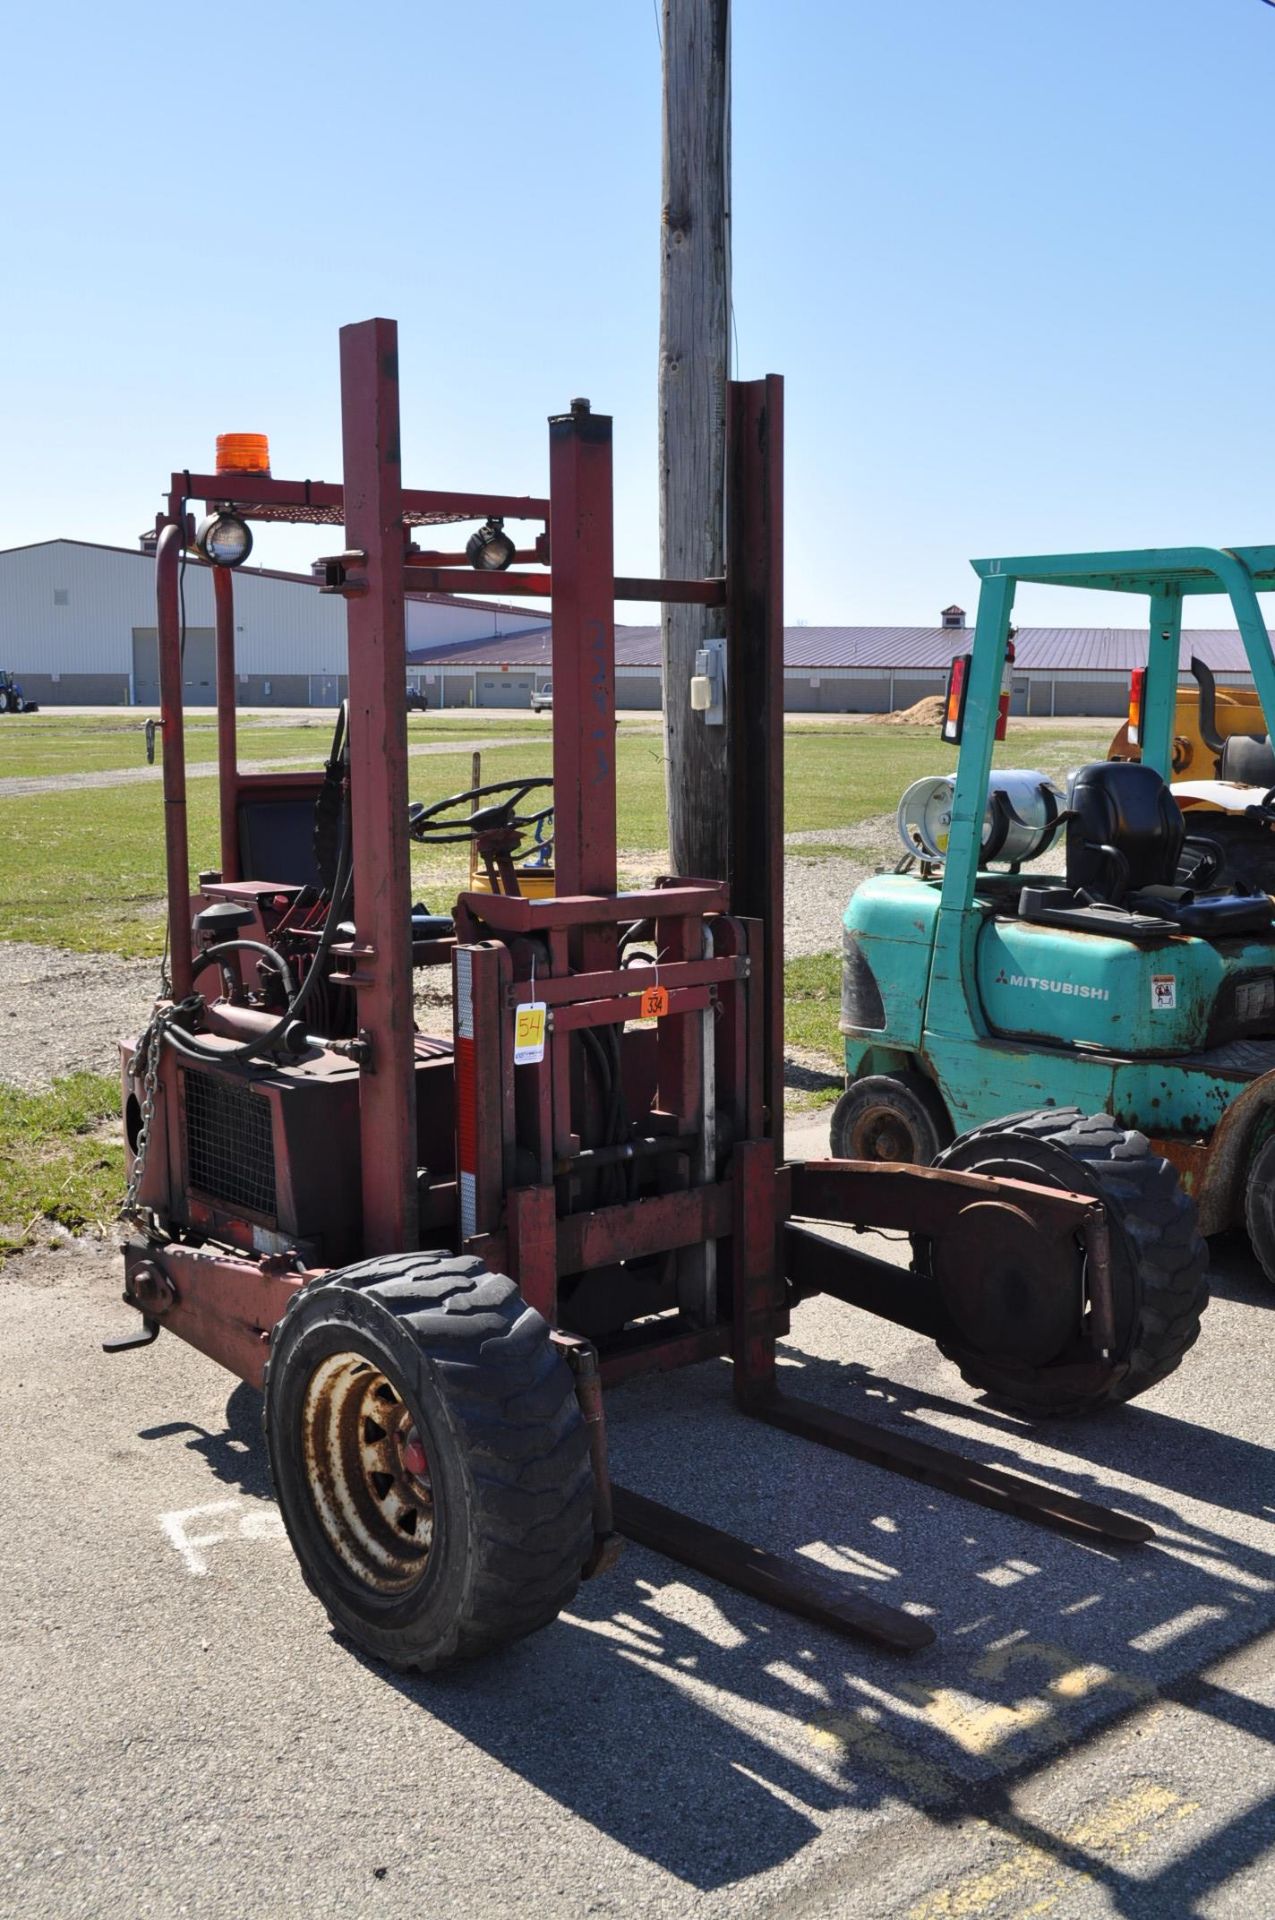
(77, 627)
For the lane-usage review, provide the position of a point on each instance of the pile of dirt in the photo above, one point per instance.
(925, 713)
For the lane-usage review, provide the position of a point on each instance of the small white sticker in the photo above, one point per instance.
(1164, 992)
(529, 1034)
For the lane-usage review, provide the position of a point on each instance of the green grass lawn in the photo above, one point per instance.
(812, 1007)
(839, 776)
(85, 869)
(42, 745)
(57, 1163)
(39, 747)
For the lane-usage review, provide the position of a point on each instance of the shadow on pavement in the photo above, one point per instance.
(1158, 1449)
(715, 1737)
(237, 1455)
(1234, 1273)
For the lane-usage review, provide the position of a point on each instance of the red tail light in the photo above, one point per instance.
(954, 709)
(1137, 695)
(1007, 687)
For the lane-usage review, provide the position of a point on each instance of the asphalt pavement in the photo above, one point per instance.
(1092, 1733)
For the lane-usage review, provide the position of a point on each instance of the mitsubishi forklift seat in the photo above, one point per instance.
(1125, 830)
(1125, 834)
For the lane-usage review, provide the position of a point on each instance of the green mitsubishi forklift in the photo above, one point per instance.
(1102, 950)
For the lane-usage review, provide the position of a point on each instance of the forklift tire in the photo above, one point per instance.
(894, 1117)
(429, 1456)
(1159, 1263)
(1259, 1206)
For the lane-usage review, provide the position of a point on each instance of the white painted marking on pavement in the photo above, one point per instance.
(261, 1521)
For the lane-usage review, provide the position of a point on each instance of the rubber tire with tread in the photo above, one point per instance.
(507, 1446)
(1159, 1260)
(1259, 1205)
(910, 1095)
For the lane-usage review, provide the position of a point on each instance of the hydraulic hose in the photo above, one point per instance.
(272, 954)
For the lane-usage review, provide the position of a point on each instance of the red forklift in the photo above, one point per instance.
(433, 1252)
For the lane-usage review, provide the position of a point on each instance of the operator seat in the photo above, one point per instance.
(1125, 834)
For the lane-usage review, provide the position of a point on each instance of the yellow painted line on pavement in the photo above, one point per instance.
(1037, 1876)
(973, 1724)
(860, 1736)
(979, 1726)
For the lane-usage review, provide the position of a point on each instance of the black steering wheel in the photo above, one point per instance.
(461, 816)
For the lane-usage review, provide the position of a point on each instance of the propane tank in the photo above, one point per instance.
(925, 816)
(1021, 818)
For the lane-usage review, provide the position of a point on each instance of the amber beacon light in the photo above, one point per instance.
(243, 453)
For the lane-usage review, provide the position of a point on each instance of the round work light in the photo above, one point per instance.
(224, 539)
(490, 549)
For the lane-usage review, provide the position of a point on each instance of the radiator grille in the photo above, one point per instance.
(230, 1143)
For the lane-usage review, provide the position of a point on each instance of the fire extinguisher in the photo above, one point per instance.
(1007, 683)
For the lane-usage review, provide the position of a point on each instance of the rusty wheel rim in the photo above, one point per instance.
(883, 1134)
(368, 1473)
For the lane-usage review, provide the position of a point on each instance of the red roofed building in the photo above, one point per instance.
(1058, 670)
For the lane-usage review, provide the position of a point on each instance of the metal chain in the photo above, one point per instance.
(148, 1051)
(146, 1059)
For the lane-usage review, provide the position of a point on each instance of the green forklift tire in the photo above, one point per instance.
(1019, 1339)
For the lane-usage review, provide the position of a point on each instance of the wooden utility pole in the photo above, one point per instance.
(694, 335)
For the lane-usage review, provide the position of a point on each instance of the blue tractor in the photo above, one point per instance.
(12, 698)
(1100, 950)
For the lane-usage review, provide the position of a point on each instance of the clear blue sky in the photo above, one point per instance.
(1013, 257)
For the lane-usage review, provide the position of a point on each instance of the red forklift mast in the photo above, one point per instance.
(624, 1165)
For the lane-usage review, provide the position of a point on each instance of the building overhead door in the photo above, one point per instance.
(199, 667)
(505, 689)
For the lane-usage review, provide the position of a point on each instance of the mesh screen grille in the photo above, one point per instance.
(229, 1142)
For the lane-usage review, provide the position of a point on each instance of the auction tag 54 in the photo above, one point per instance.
(529, 1034)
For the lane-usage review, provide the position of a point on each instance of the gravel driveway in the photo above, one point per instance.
(817, 886)
(62, 1012)
(21, 786)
